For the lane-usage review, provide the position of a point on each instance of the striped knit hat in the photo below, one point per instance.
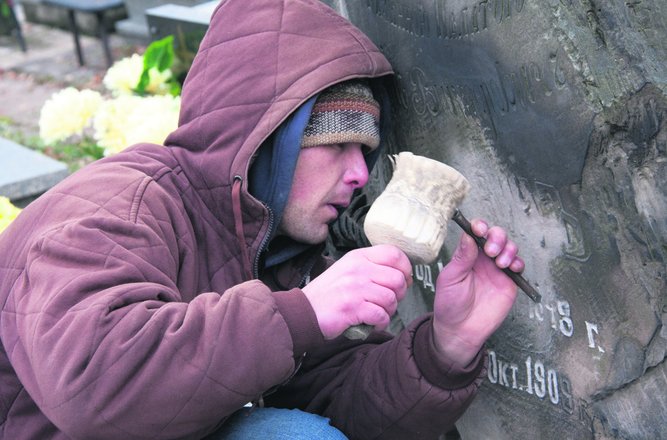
(345, 112)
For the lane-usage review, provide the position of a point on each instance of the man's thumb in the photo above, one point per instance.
(463, 259)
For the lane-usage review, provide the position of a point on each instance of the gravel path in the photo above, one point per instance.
(28, 79)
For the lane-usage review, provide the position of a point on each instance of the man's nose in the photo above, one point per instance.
(356, 173)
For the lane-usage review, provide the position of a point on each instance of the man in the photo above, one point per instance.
(154, 293)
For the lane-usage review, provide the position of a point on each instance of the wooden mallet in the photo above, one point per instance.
(412, 213)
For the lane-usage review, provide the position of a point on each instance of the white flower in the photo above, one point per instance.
(128, 120)
(123, 77)
(158, 82)
(67, 113)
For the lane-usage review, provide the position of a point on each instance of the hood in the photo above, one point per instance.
(259, 61)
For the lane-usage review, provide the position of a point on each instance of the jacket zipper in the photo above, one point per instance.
(253, 272)
(238, 226)
(264, 243)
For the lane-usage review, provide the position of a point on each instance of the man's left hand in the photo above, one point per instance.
(473, 295)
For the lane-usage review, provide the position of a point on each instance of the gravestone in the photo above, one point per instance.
(136, 24)
(25, 174)
(187, 24)
(556, 112)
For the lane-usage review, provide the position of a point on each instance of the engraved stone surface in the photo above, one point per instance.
(556, 112)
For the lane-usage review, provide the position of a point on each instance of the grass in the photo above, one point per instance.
(74, 156)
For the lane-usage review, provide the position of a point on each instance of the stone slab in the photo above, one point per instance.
(187, 24)
(200, 14)
(25, 173)
(136, 24)
(556, 113)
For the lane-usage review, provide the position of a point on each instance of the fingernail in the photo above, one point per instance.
(502, 261)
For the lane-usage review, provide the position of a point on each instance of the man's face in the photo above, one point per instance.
(324, 180)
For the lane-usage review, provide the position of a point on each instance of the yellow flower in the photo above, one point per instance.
(154, 119)
(128, 120)
(111, 120)
(67, 113)
(158, 82)
(8, 212)
(123, 77)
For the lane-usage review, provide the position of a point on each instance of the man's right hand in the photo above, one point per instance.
(363, 287)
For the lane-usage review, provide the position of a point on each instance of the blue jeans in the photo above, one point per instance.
(276, 424)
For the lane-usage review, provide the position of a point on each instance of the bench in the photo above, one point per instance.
(9, 24)
(97, 7)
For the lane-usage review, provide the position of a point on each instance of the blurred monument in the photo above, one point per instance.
(136, 23)
(556, 111)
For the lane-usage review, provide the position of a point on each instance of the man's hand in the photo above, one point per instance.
(473, 295)
(364, 286)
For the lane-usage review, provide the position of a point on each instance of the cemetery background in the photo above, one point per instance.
(28, 79)
(89, 92)
(589, 362)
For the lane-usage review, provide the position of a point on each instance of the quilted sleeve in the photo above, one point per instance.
(108, 349)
